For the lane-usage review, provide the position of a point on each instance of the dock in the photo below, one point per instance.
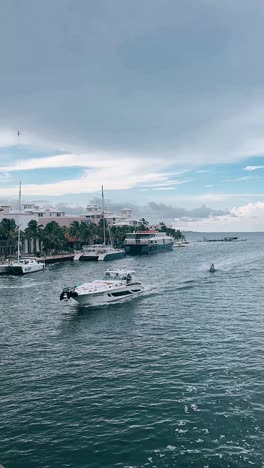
(57, 258)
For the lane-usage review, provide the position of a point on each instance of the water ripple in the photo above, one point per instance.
(173, 378)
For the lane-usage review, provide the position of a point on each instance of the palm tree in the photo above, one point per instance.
(75, 229)
(8, 233)
(119, 233)
(53, 237)
(35, 232)
(144, 222)
(88, 233)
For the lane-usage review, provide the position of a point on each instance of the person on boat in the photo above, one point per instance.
(212, 267)
(129, 278)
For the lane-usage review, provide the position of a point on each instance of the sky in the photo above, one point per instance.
(161, 101)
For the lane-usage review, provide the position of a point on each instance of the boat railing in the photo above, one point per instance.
(136, 241)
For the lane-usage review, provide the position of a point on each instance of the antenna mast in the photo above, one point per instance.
(18, 234)
(103, 217)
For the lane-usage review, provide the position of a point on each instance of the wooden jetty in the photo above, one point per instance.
(57, 258)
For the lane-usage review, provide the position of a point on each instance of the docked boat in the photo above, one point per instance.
(99, 252)
(24, 266)
(178, 244)
(116, 286)
(4, 268)
(147, 242)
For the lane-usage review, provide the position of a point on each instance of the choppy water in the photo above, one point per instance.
(172, 379)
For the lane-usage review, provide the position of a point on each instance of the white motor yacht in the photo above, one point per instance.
(116, 286)
(25, 266)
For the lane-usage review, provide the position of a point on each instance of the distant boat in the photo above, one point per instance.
(225, 239)
(23, 265)
(180, 243)
(212, 268)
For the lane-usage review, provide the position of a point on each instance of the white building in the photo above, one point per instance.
(93, 214)
(23, 218)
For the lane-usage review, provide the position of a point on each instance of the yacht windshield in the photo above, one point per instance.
(115, 275)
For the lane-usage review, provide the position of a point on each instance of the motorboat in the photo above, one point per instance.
(115, 286)
(178, 244)
(212, 268)
(25, 266)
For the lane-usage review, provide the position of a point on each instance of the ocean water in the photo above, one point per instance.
(171, 379)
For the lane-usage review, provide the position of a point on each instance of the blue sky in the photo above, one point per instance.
(159, 100)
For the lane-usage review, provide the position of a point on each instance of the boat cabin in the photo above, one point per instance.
(119, 275)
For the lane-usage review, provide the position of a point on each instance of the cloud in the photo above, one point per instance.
(4, 177)
(168, 211)
(114, 172)
(106, 77)
(240, 179)
(244, 218)
(253, 168)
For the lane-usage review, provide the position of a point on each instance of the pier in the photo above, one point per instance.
(57, 258)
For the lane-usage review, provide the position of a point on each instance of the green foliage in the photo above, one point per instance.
(8, 229)
(175, 233)
(53, 238)
(8, 236)
(118, 234)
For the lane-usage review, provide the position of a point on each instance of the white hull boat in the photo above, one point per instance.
(4, 268)
(99, 253)
(25, 266)
(116, 286)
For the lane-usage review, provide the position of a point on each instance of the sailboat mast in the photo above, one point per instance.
(103, 212)
(18, 234)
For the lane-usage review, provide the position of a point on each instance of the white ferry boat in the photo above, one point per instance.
(147, 242)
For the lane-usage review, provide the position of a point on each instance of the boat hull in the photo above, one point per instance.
(111, 256)
(147, 249)
(108, 297)
(3, 269)
(24, 269)
(106, 256)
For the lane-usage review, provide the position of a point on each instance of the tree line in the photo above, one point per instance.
(56, 239)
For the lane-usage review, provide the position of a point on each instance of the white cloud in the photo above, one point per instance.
(240, 179)
(253, 168)
(114, 173)
(245, 218)
(170, 187)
